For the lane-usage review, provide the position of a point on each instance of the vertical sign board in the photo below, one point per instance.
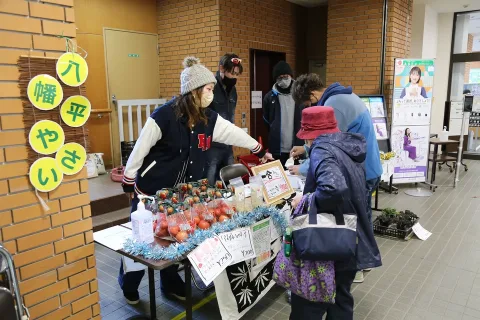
(411, 113)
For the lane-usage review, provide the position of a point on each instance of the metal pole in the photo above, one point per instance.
(384, 41)
(466, 115)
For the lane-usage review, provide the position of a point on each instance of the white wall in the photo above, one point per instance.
(442, 64)
(430, 33)
(418, 22)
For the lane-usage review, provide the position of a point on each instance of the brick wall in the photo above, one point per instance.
(354, 39)
(186, 27)
(399, 32)
(264, 25)
(53, 251)
(210, 28)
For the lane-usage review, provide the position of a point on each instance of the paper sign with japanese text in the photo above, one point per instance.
(261, 238)
(71, 158)
(45, 175)
(72, 69)
(257, 100)
(44, 92)
(46, 137)
(75, 111)
(275, 181)
(240, 244)
(210, 258)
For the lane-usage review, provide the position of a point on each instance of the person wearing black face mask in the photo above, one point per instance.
(281, 114)
(224, 103)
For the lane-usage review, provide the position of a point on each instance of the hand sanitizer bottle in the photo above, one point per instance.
(142, 222)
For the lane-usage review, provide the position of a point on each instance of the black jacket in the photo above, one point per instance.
(168, 153)
(223, 103)
(272, 117)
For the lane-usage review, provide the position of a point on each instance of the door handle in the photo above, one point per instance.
(114, 99)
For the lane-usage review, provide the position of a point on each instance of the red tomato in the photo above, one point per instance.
(196, 220)
(223, 218)
(181, 236)
(218, 212)
(224, 210)
(204, 225)
(173, 230)
(163, 225)
(162, 233)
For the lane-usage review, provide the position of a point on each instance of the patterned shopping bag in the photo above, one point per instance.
(311, 280)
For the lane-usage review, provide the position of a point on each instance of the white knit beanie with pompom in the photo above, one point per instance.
(195, 75)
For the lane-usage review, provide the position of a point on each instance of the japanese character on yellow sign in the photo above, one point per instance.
(45, 175)
(71, 158)
(46, 137)
(75, 111)
(72, 69)
(44, 92)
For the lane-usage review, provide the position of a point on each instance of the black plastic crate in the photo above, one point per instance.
(392, 232)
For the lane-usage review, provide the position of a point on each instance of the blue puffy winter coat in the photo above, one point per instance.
(337, 177)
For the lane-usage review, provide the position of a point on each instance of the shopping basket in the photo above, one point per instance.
(11, 306)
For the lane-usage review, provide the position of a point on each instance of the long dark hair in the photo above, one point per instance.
(406, 131)
(186, 106)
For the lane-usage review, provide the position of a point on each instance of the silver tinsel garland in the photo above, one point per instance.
(176, 251)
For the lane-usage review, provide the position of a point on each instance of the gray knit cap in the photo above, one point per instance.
(195, 75)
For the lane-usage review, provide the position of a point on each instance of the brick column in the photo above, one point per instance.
(399, 33)
(53, 251)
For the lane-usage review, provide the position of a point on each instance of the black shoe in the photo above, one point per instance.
(132, 297)
(174, 287)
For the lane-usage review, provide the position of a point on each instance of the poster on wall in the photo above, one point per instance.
(413, 91)
(410, 144)
(380, 126)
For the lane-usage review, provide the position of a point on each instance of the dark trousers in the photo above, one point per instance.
(217, 158)
(283, 157)
(303, 309)
(130, 281)
(371, 186)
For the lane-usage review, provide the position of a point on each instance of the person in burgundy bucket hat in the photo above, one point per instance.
(336, 177)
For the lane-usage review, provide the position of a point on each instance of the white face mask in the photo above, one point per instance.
(284, 83)
(207, 98)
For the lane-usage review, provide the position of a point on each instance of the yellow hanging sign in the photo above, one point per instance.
(72, 69)
(44, 92)
(45, 175)
(75, 111)
(46, 137)
(71, 158)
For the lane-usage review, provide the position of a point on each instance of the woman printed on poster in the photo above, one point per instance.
(407, 146)
(413, 88)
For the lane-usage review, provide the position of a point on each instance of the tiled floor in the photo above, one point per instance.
(437, 279)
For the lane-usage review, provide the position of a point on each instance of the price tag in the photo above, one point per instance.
(239, 242)
(210, 258)
(420, 232)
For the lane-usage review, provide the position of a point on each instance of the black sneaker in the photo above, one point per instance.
(174, 288)
(132, 297)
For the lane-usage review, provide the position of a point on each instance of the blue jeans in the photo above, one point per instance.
(371, 186)
(130, 281)
(217, 158)
(303, 309)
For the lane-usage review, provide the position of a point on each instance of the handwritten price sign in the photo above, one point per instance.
(239, 242)
(210, 258)
(277, 185)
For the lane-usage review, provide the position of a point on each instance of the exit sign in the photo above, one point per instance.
(133, 55)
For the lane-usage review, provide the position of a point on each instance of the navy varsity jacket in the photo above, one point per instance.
(168, 153)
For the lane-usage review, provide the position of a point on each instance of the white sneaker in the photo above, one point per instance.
(359, 278)
(367, 270)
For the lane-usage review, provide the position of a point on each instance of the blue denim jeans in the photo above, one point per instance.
(217, 158)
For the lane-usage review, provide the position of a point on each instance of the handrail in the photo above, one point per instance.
(13, 280)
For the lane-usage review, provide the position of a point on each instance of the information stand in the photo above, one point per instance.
(411, 113)
(378, 111)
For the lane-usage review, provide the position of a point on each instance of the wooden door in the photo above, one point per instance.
(132, 73)
(261, 79)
